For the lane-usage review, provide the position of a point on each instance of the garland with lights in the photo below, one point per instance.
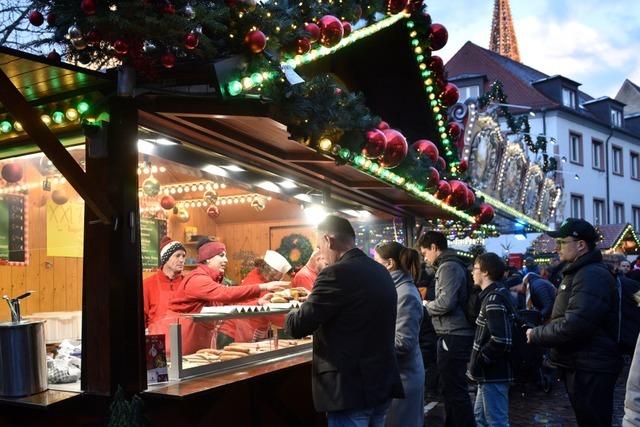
(270, 36)
(518, 125)
(296, 248)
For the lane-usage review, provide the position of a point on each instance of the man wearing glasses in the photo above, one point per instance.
(582, 327)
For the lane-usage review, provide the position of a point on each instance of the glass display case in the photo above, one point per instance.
(265, 341)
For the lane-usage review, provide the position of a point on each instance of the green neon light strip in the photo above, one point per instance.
(236, 87)
(497, 203)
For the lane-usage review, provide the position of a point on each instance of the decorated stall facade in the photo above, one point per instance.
(307, 118)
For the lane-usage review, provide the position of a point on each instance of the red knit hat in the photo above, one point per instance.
(167, 248)
(208, 250)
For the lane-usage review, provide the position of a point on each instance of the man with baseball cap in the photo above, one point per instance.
(158, 288)
(583, 324)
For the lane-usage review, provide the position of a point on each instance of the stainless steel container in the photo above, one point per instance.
(23, 363)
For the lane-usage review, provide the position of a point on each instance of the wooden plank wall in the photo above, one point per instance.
(57, 281)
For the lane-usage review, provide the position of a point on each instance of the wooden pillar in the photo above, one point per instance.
(113, 321)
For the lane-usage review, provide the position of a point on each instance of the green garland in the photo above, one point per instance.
(518, 125)
(296, 248)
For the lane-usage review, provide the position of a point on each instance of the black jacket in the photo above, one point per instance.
(351, 312)
(493, 339)
(584, 318)
(543, 295)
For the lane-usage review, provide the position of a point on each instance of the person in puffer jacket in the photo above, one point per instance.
(582, 327)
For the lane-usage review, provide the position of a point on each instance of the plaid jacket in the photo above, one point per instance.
(493, 339)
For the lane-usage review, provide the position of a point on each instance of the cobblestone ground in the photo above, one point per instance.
(539, 409)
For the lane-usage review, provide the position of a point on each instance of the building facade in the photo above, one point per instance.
(597, 147)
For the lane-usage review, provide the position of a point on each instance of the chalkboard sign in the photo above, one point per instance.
(151, 232)
(12, 224)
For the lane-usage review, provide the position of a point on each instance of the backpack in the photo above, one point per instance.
(470, 303)
(628, 314)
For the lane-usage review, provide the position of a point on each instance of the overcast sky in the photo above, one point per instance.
(596, 43)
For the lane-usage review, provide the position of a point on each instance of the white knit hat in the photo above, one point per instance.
(277, 262)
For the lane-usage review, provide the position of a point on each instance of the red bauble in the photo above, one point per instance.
(486, 214)
(375, 144)
(191, 41)
(453, 129)
(169, 9)
(167, 202)
(36, 18)
(60, 196)
(444, 189)
(463, 166)
(396, 6)
(441, 164)
(458, 196)
(168, 60)
(433, 177)
(449, 95)
(93, 36)
(424, 148)
(471, 197)
(88, 7)
(51, 19)
(12, 172)
(331, 30)
(414, 5)
(121, 47)
(313, 30)
(301, 46)
(54, 56)
(439, 36)
(436, 64)
(256, 41)
(396, 149)
(346, 28)
(213, 211)
(383, 125)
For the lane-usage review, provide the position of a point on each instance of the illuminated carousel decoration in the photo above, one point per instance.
(502, 171)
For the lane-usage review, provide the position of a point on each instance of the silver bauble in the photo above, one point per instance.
(188, 11)
(79, 44)
(149, 47)
(74, 32)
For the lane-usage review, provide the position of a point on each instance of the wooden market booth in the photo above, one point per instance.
(102, 188)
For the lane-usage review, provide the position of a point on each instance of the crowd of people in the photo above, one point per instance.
(413, 325)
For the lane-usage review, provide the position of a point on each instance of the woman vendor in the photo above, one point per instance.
(272, 267)
(203, 287)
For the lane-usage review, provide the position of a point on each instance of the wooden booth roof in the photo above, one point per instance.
(614, 234)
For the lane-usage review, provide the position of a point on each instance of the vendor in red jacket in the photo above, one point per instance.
(158, 288)
(308, 273)
(272, 267)
(203, 287)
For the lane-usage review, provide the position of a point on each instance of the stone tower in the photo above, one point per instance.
(503, 37)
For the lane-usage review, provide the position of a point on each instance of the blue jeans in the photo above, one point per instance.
(492, 405)
(370, 417)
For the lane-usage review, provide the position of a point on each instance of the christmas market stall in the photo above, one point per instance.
(238, 122)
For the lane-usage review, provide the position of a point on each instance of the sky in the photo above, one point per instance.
(594, 42)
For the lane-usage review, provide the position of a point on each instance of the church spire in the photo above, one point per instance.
(503, 37)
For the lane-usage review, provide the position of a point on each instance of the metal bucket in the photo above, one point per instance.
(23, 363)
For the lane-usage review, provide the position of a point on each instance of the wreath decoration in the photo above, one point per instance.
(296, 248)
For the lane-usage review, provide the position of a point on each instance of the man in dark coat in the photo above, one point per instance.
(538, 293)
(582, 327)
(351, 312)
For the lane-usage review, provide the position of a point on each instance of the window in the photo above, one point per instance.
(467, 92)
(635, 210)
(577, 206)
(575, 144)
(597, 154)
(599, 217)
(616, 118)
(618, 213)
(568, 98)
(635, 165)
(617, 160)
